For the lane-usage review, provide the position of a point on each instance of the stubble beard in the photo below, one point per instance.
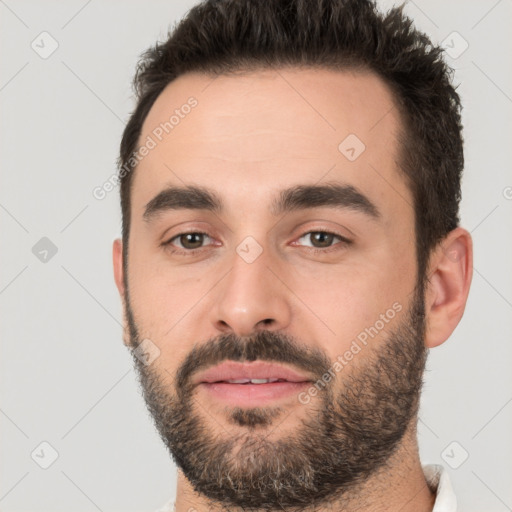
(346, 436)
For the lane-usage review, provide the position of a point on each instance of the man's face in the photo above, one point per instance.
(327, 280)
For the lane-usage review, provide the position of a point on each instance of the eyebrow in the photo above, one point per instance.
(298, 197)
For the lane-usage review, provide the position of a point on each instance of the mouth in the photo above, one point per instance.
(253, 384)
(254, 392)
(256, 373)
(248, 381)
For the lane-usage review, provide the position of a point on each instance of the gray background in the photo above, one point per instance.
(66, 377)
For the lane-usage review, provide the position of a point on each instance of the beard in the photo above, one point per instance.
(353, 425)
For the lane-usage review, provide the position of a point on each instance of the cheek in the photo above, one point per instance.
(346, 302)
(163, 307)
(160, 295)
(341, 309)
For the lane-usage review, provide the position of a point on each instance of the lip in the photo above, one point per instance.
(252, 395)
(230, 370)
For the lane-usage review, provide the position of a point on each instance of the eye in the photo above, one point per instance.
(190, 242)
(322, 241)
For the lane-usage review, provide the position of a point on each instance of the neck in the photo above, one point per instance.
(398, 485)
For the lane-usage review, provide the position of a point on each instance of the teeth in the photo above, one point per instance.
(252, 381)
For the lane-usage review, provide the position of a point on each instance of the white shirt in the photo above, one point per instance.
(436, 476)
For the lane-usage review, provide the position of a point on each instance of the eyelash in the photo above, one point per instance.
(316, 250)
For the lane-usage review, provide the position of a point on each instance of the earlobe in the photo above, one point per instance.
(450, 271)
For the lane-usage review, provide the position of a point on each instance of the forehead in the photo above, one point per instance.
(248, 134)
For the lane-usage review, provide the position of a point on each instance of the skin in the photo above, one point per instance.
(249, 137)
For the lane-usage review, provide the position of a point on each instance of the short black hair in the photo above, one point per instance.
(227, 36)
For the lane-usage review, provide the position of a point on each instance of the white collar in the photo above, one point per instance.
(439, 481)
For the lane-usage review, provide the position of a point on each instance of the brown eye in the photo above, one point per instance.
(187, 242)
(191, 240)
(322, 238)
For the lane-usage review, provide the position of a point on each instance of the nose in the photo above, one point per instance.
(252, 296)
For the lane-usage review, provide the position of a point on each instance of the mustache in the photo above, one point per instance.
(262, 346)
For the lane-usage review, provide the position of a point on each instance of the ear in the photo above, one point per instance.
(117, 258)
(450, 271)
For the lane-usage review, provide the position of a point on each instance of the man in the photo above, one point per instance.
(290, 182)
